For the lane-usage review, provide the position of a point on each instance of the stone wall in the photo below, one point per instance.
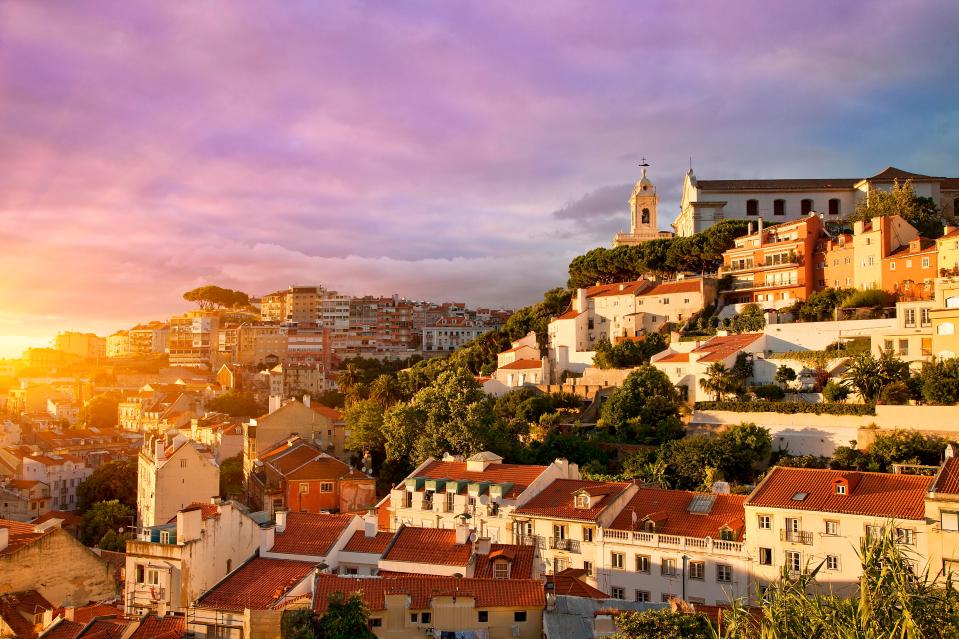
(61, 569)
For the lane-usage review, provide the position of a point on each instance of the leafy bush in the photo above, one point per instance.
(940, 382)
(629, 353)
(769, 392)
(868, 298)
(789, 408)
(835, 392)
(749, 320)
(896, 394)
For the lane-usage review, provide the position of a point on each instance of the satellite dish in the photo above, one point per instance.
(473, 537)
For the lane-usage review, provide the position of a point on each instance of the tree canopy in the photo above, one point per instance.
(236, 404)
(645, 408)
(210, 297)
(920, 212)
(101, 411)
(631, 352)
(113, 481)
(105, 517)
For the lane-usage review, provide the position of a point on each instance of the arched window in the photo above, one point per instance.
(806, 206)
(834, 206)
(645, 216)
(946, 328)
(752, 207)
(779, 207)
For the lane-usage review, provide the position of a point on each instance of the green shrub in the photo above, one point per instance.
(769, 392)
(789, 408)
(896, 394)
(835, 392)
(868, 298)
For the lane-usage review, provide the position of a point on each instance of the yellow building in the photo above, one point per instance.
(942, 511)
(945, 318)
(948, 248)
(85, 345)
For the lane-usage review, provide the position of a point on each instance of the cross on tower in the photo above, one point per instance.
(644, 162)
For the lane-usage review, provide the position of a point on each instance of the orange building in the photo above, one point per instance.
(910, 270)
(774, 266)
(298, 476)
(838, 261)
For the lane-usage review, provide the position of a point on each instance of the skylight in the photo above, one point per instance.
(800, 496)
(701, 504)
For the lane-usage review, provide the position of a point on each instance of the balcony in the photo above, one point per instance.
(526, 540)
(673, 542)
(796, 536)
(569, 545)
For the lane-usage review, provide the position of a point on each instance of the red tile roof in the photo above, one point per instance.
(105, 629)
(571, 314)
(520, 558)
(947, 479)
(84, 614)
(721, 347)
(892, 173)
(20, 535)
(298, 459)
(330, 413)
(359, 542)
(64, 630)
(556, 500)
(488, 593)
(673, 357)
(311, 534)
(208, 510)
(436, 546)
(870, 494)
(616, 288)
(520, 475)
(23, 484)
(168, 627)
(258, 584)
(668, 288)
(13, 607)
(569, 582)
(522, 364)
(669, 510)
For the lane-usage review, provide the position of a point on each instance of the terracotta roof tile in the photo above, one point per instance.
(669, 509)
(154, 627)
(668, 288)
(436, 546)
(571, 314)
(105, 629)
(721, 347)
(330, 413)
(208, 510)
(616, 288)
(488, 593)
(556, 500)
(65, 629)
(13, 607)
(673, 357)
(947, 479)
(84, 614)
(519, 475)
(20, 535)
(522, 365)
(569, 582)
(311, 534)
(359, 542)
(258, 584)
(520, 558)
(873, 494)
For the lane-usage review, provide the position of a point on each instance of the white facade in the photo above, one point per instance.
(62, 473)
(170, 479)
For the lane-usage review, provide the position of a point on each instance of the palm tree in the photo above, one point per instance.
(348, 377)
(386, 391)
(717, 380)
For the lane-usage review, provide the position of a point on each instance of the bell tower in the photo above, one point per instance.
(642, 206)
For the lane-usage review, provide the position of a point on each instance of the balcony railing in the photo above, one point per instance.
(526, 540)
(796, 536)
(569, 545)
(655, 540)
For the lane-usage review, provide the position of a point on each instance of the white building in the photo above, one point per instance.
(449, 333)
(170, 478)
(686, 363)
(705, 202)
(62, 473)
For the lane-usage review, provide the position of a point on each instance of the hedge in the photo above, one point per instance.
(788, 408)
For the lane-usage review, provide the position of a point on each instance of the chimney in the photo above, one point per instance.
(580, 305)
(159, 450)
(947, 229)
(462, 533)
(189, 524)
(749, 228)
(369, 528)
(482, 546)
(306, 400)
(280, 520)
(950, 453)
(275, 402)
(4, 538)
(760, 231)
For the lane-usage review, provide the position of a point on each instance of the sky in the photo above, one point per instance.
(449, 150)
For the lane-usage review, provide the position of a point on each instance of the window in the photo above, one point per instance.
(832, 527)
(353, 571)
(616, 560)
(501, 570)
(519, 616)
(376, 622)
(840, 489)
(642, 596)
(873, 532)
(697, 570)
(724, 573)
(925, 262)
(164, 536)
(887, 345)
(925, 343)
(905, 536)
(426, 617)
(834, 208)
(587, 533)
(182, 463)
(414, 617)
(140, 573)
(793, 561)
(946, 328)
(752, 207)
(779, 207)
(766, 556)
(904, 347)
(765, 522)
(153, 576)
(668, 567)
(832, 562)
(581, 501)
(892, 266)
(588, 567)
(666, 597)
(805, 206)
(949, 520)
(617, 592)
(559, 531)
(408, 499)
(326, 487)
(924, 316)
(642, 563)
(450, 498)
(483, 616)
(910, 317)
(726, 534)
(304, 488)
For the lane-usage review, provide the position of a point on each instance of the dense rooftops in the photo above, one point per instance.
(258, 584)
(435, 546)
(847, 492)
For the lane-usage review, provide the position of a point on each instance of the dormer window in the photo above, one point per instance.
(501, 569)
(840, 489)
(581, 500)
(726, 534)
(649, 526)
